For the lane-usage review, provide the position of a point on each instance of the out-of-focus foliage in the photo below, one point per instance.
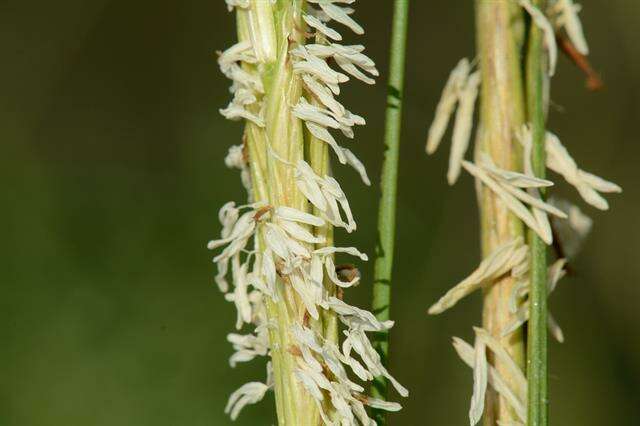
(111, 174)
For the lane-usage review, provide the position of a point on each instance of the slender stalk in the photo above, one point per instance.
(389, 180)
(501, 114)
(537, 338)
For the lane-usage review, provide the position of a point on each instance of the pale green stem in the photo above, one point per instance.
(501, 114)
(271, 27)
(319, 160)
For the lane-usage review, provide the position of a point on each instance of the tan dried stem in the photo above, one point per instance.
(501, 114)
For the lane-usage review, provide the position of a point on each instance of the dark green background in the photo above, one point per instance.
(111, 175)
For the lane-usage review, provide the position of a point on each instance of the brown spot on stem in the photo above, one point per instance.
(294, 350)
(245, 149)
(261, 212)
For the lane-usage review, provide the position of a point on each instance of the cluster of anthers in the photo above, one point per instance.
(269, 247)
(520, 194)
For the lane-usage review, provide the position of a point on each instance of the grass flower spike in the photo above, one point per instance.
(512, 152)
(275, 257)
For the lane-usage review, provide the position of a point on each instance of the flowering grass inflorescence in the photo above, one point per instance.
(510, 196)
(278, 248)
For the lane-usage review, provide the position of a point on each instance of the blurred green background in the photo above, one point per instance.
(111, 175)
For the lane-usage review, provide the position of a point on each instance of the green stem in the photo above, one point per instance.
(387, 213)
(537, 338)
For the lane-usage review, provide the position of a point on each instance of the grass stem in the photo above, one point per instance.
(501, 115)
(537, 337)
(387, 208)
